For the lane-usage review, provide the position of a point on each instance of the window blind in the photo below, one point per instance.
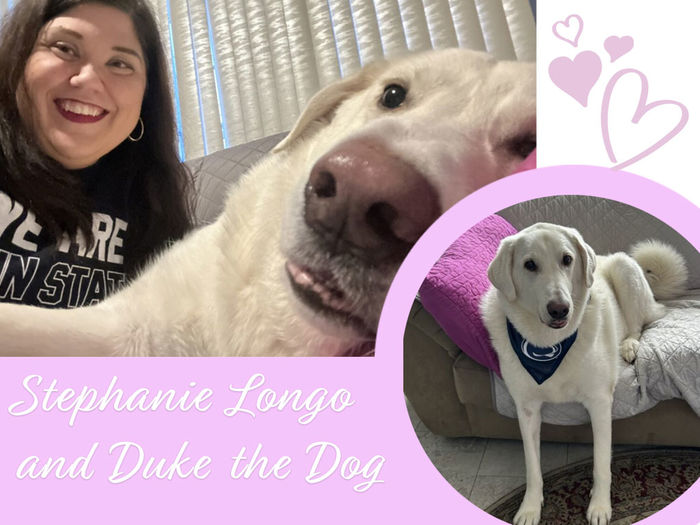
(244, 69)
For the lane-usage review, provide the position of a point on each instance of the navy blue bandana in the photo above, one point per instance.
(539, 362)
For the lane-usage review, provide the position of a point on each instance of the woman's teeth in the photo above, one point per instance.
(80, 108)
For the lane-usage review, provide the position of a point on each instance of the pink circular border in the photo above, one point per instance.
(624, 187)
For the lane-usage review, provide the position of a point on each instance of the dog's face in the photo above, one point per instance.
(385, 152)
(545, 269)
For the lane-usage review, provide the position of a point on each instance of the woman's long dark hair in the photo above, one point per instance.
(160, 203)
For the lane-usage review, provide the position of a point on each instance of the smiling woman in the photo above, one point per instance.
(90, 183)
(83, 84)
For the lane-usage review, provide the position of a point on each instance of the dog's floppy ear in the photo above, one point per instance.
(500, 270)
(323, 104)
(587, 256)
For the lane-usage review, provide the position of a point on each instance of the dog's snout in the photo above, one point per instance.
(363, 199)
(557, 310)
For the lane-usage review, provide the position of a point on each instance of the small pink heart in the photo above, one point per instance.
(642, 109)
(578, 76)
(616, 46)
(569, 30)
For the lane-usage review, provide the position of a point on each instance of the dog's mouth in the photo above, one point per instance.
(558, 323)
(321, 292)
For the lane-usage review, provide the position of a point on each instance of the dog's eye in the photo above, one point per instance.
(393, 96)
(567, 260)
(530, 265)
(522, 145)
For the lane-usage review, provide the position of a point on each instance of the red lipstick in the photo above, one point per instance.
(79, 117)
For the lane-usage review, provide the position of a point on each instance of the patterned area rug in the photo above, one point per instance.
(643, 482)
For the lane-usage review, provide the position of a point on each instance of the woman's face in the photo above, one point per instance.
(83, 84)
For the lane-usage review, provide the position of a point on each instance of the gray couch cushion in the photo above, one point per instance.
(217, 172)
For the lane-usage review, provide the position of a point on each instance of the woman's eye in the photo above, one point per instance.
(567, 260)
(64, 50)
(530, 265)
(393, 96)
(121, 65)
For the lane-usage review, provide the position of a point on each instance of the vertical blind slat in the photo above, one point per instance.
(304, 69)
(323, 39)
(391, 32)
(415, 25)
(521, 25)
(467, 24)
(205, 78)
(186, 80)
(245, 67)
(282, 67)
(367, 29)
(346, 40)
(495, 29)
(262, 64)
(228, 73)
(440, 25)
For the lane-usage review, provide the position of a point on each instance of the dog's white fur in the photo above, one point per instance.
(223, 290)
(610, 302)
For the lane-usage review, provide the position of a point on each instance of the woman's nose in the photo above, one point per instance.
(86, 76)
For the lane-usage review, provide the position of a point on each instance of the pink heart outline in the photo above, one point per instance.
(618, 46)
(565, 23)
(642, 109)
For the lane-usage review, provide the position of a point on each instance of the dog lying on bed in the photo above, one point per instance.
(300, 261)
(559, 318)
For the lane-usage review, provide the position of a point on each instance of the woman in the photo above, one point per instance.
(90, 183)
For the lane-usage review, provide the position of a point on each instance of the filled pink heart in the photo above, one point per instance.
(616, 46)
(569, 30)
(642, 108)
(578, 76)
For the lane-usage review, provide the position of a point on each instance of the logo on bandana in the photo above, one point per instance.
(533, 352)
(540, 362)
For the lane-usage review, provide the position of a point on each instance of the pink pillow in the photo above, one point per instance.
(453, 288)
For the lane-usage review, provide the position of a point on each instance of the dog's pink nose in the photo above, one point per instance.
(365, 200)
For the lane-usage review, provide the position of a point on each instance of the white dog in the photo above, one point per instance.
(301, 259)
(559, 317)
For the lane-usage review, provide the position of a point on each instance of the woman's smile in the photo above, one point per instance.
(80, 112)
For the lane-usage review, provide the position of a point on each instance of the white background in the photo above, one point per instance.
(665, 50)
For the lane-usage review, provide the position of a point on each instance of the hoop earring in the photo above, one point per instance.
(143, 128)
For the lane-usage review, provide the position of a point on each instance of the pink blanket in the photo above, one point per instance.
(454, 286)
